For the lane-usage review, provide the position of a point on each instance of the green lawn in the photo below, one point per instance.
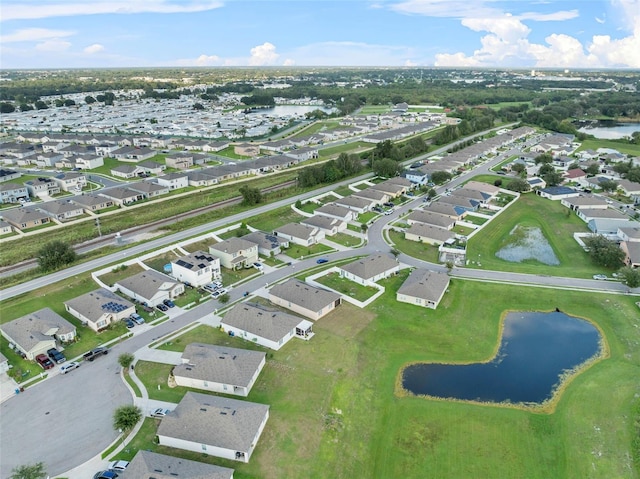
(626, 148)
(345, 240)
(275, 218)
(336, 412)
(368, 216)
(462, 230)
(316, 127)
(345, 147)
(297, 251)
(476, 220)
(557, 224)
(374, 109)
(347, 287)
(229, 152)
(424, 251)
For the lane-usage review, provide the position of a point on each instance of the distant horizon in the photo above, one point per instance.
(479, 34)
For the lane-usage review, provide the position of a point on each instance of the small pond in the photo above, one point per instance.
(536, 349)
(528, 243)
(609, 129)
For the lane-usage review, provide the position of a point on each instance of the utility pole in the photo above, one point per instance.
(98, 225)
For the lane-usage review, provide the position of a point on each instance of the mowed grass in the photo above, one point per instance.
(558, 224)
(335, 412)
(626, 148)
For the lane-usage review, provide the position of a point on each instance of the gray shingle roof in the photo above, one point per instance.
(195, 261)
(425, 284)
(371, 194)
(263, 322)
(323, 222)
(233, 245)
(265, 240)
(27, 331)
(371, 266)
(219, 364)
(432, 218)
(146, 283)
(95, 304)
(296, 230)
(214, 420)
(304, 295)
(430, 231)
(353, 202)
(148, 465)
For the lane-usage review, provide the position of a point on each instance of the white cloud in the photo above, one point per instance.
(447, 8)
(93, 49)
(601, 20)
(550, 17)
(289, 62)
(25, 9)
(34, 35)
(201, 61)
(263, 55)
(410, 63)
(53, 45)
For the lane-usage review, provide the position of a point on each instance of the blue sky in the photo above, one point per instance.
(454, 33)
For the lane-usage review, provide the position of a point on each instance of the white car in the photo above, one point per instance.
(258, 266)
(599, 276)
(118, 466)
(159, 412)
(218, 292)
(69, 367)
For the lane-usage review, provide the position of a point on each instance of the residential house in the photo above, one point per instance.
(235, 253)
(122, 196)
(426, 233)
(359, 205)
(5, 228)
(147, 464)
(214, 425)
(584, 201)
(370, 269)
(558, 192)
(174, 181)
(484, 187)
(304, 299)
(246, 149)
(202, 178)
(100, 308)
(48, 159)
(632, 253)
(268, 244)
(329, 226)
(9, 175)
(13, 193)
(42, 187)
(456, 212)
(152, 167)
(423, 288)
(71, 181)
(180, 161)
(393, 190)
(431, 218)
(303, 154)
(536, 183)
(92, 202)
(219, 369)
(460, 201)
(126, 171)
(603, 221)
(629, 233)
(61, 209)
(375, 196)
(132, 153)
(149, 189)
(269, 328)
(37, 332)
(150, 287)
(25, 218)
(300, 234)
(332, 210)
(576, 175)
(630, 189)
(481, 197)
(196, 269)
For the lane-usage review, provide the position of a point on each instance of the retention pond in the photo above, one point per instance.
(537, 349)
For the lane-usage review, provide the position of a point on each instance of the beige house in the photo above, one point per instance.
(100, 308)
(329, 226)
(150, 287)
(300, 234)
(370, 269)
(147, 464)
(235, 253)
(304, 299)
(423, 288)
(25, 218)
(37, 332)
(219, 369)
(424, 233)
(214, 425)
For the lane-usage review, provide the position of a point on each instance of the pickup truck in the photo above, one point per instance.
(94, 353)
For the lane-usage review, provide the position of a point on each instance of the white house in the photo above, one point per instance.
(219, 369)
(304, 299)
(150, 287)
(423, 288)
(370, 269)
(214, 425)
(300, 234)
(196, 269)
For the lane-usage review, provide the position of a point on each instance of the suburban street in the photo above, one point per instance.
(66, 420)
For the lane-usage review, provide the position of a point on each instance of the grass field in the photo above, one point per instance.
(344, 148)
(626, 148)
(335, 412)
(557, 224)
(374, 109)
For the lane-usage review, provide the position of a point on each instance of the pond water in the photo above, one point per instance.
(291, 110)
(610, 130)
(528, 243)
(536, 348)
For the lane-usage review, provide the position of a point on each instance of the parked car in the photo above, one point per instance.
(388, 212)
(211, 287)
(169, 303)
(219, 292)
(105, 475)
(409, 193)
(136, 318)
(258, 266)
(70, 366)
(44, 361)
(389, 204)
(159, 412)
(377, 209)
(322, 260)
(95, 353)
(599, 276)
(162, 307)
(130, 324)
(56, 356)
(118, 466)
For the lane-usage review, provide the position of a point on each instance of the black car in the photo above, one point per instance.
(129, 322)
(162, 307)
(389, 204)
(56, 356)
(146, 307)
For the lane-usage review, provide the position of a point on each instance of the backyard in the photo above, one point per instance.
(347, 287)
(335, 412)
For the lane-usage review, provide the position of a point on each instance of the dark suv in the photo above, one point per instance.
(56, 356)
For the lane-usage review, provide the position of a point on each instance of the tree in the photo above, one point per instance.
(35, 471)
(394, 252)
(604, 252)
(89, 100)
(497, 183)
(40, 105)
(363, 227)
(126, 417)
(250, 196)
(125, 360)
(631, 276)
(224, 299)
(518, 185)
(592, 169)
(608, 185)
(54, 255)
(543, 158)
(518, 167)
(545, 169)
(386, 168)
(7, 108)
(553, 178)
(198, 106)
(439, 177)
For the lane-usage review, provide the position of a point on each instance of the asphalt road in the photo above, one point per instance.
(65, 420)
